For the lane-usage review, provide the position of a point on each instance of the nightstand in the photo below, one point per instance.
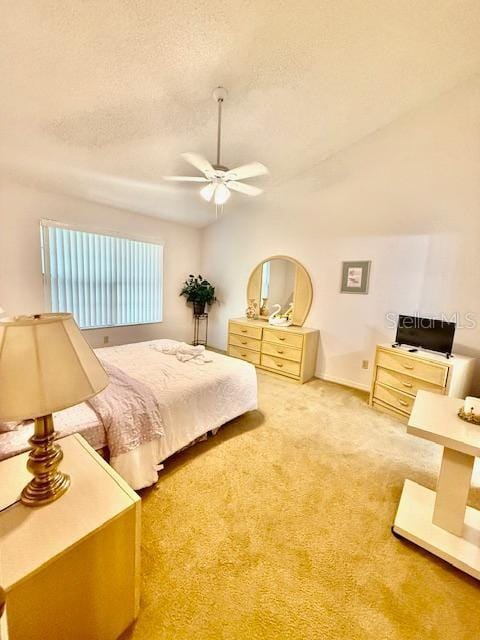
(71, 569)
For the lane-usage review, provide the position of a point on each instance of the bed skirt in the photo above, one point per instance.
(140, 467)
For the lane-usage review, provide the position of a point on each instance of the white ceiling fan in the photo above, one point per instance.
(220, 179)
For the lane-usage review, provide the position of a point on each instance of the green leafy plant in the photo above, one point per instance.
(198, 290)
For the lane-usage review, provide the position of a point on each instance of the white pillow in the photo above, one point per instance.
(8, 426)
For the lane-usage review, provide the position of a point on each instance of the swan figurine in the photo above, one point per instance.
(275, 315)
(278, 320)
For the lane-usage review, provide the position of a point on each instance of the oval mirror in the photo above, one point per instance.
(281, 281)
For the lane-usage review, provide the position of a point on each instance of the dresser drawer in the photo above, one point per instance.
(289, 353)
(405, 383)
(244, 354)
(285, 366)
(396, 399)
(429, 372)
(244, 342)
(245, 330)
(283, 337)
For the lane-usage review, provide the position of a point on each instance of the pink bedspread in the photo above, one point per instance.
(129, 411)
(80, 418)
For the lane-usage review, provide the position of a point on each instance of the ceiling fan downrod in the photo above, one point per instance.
(219, 95)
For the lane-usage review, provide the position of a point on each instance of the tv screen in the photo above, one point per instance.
(426, 333)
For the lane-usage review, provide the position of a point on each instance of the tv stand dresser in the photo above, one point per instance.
(398, 375)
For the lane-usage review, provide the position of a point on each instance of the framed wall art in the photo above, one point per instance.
(355, 276)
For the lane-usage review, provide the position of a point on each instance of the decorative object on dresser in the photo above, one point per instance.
(284, 281)
(264, 312)
(70, 570)
(278, 319)
(198, 291)
(289, 351)
(470, 412)
(355, 277)
(251, 310)
(399, 374)
(62, 372)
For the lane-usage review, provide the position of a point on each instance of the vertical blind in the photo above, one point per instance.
(103, 280)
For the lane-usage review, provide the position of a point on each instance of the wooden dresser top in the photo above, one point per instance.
(438, 358)
(265, 325)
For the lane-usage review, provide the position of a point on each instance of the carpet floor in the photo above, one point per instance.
(279, 528)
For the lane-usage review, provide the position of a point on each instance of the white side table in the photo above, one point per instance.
(440, 521)
(70, 568)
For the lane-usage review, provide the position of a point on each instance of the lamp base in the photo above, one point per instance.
(36, 493)
(48, 483)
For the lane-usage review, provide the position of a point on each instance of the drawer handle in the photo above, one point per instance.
(403, 403)
(244, 355)
(280, 338)
(407, 366)
(409, 385)
(280, 351)
(244, 330)
(279, 365)
(245, 342)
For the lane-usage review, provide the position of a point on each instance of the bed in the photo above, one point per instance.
(193, 399)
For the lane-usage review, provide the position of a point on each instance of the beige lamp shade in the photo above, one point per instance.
(45, 365)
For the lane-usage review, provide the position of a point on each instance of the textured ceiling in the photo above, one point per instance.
(99, 98)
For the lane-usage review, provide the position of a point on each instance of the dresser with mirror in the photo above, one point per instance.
(280, 287)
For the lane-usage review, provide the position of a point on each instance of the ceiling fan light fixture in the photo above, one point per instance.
(222, 194)
(208, 191)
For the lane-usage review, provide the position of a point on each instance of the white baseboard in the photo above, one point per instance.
(346, 383)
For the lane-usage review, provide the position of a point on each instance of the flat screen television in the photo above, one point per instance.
(426, 333)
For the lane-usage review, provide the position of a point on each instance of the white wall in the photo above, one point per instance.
(406, 197)
(21, 283)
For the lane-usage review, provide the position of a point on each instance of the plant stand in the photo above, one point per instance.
(200, 328)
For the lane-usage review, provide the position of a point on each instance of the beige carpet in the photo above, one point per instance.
(279, 528)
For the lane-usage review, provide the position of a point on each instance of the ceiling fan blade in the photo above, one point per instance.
(247, 189)
(185, 178)
(247, 171)
(208, 191)
(199, 162)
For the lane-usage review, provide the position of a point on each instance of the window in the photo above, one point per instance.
(103, 280)
(266, 280)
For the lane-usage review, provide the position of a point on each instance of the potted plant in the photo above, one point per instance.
(199, 291)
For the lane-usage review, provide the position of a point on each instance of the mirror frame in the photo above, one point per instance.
(302, 295)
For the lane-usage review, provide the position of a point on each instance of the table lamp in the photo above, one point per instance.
(45, 365)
